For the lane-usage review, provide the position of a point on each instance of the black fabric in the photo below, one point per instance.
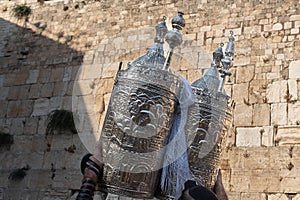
(189, 184)
(198, 192)
(202, 193)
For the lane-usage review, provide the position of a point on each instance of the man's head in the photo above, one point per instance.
(192, 191)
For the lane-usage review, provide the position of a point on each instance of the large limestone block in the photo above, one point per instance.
(294, 69)
(288, 135)
(291, 184)
(267, 138)
(294, 113)
(33, 76)
(242, 115)
(256, 158)
(245, 74)
(41, 107)
(248, 137)
(293, 90)
(294, 17)
(261, 116)
(253, 196)
(259, 180)
(277, 197)
(297, 197)
(277, 27)
(240, 180)
(277, 91)
(279, 114)
(234, 195)
(240, 92)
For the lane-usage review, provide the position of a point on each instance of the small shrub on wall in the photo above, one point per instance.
(20, 11)
(6, 140)
(60, 121)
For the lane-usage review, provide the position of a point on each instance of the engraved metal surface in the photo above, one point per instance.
(138, 122)
(209, 118)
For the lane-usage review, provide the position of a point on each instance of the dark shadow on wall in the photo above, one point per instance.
(36, 77)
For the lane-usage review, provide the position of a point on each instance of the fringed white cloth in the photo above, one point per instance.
(176, 171)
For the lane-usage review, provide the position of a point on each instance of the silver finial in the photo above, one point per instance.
(230, 46)
(217, 56)
(178, 22)
(174, 37)
(227, 61)
(161, 30)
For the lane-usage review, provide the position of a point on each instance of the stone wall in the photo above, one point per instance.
(41, 57)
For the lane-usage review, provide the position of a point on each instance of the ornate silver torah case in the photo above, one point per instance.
(139, 118)
(210, 117)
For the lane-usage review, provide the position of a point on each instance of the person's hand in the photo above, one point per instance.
(219, 188)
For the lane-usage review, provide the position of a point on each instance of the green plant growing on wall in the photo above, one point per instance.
(20, 11)
(59, 121)
(6, 140)
(18, 174)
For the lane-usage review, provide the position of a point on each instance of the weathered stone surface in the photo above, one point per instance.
(33, 76)
(13, 93)
(238, 177)
(261, 114)
(294, 69)
(17, 126)
(244, 74)
(295, 31)
(243, 115)
(41, 107)
(83, 87)
(3, 108)
(248, 137)
(277, 197)
(57, 74)
(30, 126)
(240, 93)
(25, 108)
(23, 93)
(288, 135)
(13, 108)
(4, 92)
(234, 195)
(288, 183)
(243, 61)
(46, 90)
(294, 113)
(34, 91)
(277, 92)
(296, 197)
(253, 196)
(277, 27)
(278, 114)
(267, 138)
(44, 75)
(294, 17)
(293, 90)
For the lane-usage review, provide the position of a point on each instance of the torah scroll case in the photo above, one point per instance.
(139, 117)
(210, 117)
